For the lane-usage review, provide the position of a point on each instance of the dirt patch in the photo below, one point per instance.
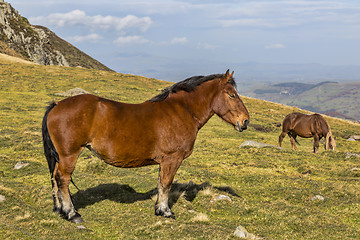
(14, 59)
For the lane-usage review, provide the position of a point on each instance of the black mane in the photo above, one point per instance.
(188, 85)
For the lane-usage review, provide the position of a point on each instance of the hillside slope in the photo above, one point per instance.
(271, 190)
(38, 44)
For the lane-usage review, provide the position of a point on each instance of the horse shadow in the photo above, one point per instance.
(126, 194)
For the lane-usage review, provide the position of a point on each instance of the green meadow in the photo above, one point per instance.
(270, 189)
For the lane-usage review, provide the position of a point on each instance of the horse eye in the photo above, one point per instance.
(232, 95)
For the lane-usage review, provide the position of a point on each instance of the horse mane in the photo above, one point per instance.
(188, 85)
(320, 121)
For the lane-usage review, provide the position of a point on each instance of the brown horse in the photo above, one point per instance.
(306, 126)
(160, 131)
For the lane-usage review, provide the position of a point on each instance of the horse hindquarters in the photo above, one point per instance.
(287, 130)
(52, 157)
(60, 172)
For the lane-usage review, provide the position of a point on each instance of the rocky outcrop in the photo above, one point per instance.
(38, 44)
(251, 143)
(72, 92)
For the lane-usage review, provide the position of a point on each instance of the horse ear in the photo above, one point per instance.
(232, 74)
(226, 77)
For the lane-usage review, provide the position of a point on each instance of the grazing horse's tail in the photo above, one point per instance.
(51, 154)
(291, 134)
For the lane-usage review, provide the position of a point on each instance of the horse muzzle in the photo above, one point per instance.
(244, 126)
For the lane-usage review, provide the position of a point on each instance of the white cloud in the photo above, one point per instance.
(179, 40)
(79, 17)
(207, 46)
(129, 40)
(87, 38)
(277, 14)
(158, 7)
(275, 45)
(247, 22)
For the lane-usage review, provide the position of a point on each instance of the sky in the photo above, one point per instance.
(172, 40)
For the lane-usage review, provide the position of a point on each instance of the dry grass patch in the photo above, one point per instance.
(200, 217)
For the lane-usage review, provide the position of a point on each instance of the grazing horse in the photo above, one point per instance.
(306, 126)
(160, 131)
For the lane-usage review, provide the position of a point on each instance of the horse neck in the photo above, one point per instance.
(198, 103)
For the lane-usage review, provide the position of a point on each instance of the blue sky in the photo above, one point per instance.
(173, 40)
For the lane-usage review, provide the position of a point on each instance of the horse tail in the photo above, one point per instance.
(51, 154)
(290, 133)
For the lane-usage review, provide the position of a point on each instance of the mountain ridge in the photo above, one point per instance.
(39, 44)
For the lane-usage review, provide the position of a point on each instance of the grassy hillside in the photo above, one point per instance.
(270, 189)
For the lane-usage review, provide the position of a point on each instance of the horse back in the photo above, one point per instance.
(292, 120)
(298, 123)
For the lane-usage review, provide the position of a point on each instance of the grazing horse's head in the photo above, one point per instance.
(228, 104)
(330, 141)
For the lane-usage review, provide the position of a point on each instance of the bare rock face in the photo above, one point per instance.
(252, 143)
(38, 44)
(72, 92)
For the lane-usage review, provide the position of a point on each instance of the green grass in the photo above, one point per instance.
(271, 189)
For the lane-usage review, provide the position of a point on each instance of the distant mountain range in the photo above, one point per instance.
(38, 44)
(335, 99)
(248, 73)
(311, 72)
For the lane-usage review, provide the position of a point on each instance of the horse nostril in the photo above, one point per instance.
(246, 123)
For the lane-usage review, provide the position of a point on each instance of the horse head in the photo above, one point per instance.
(228, 104)
(330, 141)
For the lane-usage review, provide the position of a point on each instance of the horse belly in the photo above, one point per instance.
(124, 151)
(133, 163)
(303, 132)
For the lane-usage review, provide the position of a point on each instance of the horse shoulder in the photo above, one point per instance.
(174, 122)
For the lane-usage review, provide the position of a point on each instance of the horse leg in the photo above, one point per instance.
(167, 170)
(316, 143)
(293, 141)
(63, 176)
(55, 191)
(281, 137)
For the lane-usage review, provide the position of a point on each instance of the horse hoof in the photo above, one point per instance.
(76, 219)
(167, 214)
(171, 216)
(57, 210)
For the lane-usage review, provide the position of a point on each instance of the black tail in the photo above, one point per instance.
(291, 134)
(50, 152)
